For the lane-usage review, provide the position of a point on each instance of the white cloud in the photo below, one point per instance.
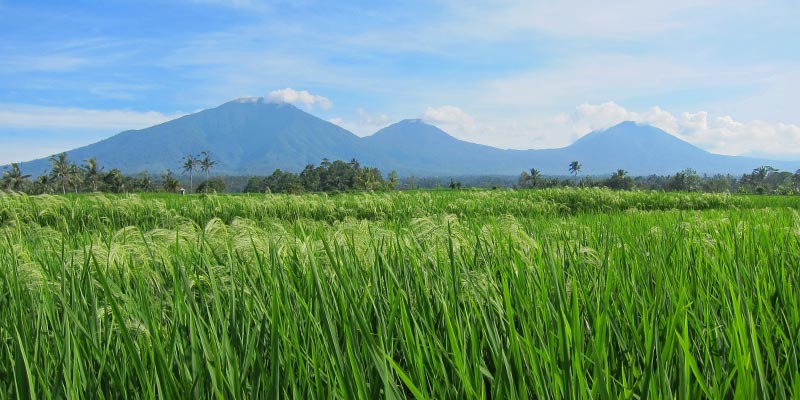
(452, 120)
(302, 97)
(448, 115)
(718, 134)
(23, 116)
(695, 121)
(727, 136)
(492, 21)
(600, 116)
(364, 123)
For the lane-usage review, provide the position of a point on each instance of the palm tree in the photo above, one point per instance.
(74, 176)
(189, 165)
(535, 175)
(114, 180)
(760, 174)
(796, 179)
(206, 163)
(574, 168)
(93, 172)
(144, 182)
(13, 180)
(393, 179)
(43, 184)
(170, 183)
(60, 170)
(619, 180)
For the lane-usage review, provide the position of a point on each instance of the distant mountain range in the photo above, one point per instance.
(255, 137)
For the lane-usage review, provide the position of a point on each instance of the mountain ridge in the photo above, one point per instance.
(252, 136)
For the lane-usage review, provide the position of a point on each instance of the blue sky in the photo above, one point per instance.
(724, 75)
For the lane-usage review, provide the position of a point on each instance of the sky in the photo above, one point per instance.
(721, 74)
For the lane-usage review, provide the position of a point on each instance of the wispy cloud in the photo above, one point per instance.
(119, 91)
(40, 131)
(506, 68)
(23, 116)
(615, 19)
(42, 63)
(225, 3)
(593, 77)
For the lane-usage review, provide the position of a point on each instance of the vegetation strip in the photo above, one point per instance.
(554, 293)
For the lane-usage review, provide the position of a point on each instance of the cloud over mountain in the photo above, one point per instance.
(365, 123)
(252, 136)
(719, 134)
(454, 120)
(299, 97)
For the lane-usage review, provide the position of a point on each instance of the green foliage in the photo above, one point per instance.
(61, 171)
(371, 295)
(216, 185)
(206, 163)
(530, 180)
(115, 182)
(329, 176)
(553, 293)
(92, 172)
(13, 179)
(767, 180)
(169, 183)
(684, 181)
(619, 181)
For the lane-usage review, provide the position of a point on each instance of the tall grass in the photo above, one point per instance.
(492, 294)
(78, 213)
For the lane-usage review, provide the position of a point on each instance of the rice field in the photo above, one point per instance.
(562, 293)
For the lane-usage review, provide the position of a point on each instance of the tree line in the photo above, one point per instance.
(65, 176)
(762, 180)
(328, 176)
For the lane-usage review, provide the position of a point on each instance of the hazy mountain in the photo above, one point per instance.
(644, 149)
(416, 147)
(254, 137)
(412, 146)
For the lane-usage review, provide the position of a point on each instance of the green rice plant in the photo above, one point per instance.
(567, 293)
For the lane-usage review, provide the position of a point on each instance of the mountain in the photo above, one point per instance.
(636, 147)
(644, 149)
(255, 137)
(246, 136)
(412, 146)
